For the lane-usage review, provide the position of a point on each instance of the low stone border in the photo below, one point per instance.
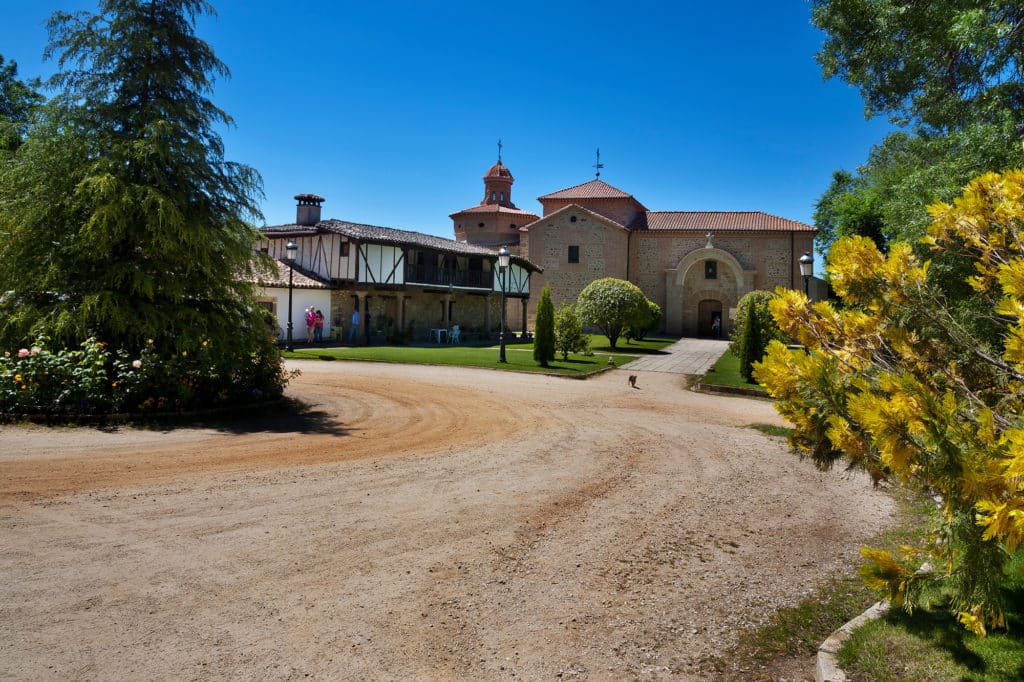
(730, 390)
(827, 667)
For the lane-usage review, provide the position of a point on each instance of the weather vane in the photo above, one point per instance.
(499, 150)
(598, 165)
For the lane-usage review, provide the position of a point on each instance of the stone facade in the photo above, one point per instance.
(601, 244)
(695, 265)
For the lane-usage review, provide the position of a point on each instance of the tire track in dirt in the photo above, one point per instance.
(350, 416)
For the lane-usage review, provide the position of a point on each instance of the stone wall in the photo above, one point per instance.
(602, 253)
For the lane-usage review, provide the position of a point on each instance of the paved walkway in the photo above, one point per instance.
(685, 356)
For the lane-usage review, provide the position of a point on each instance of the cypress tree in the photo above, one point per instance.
(544, 330)
(752, 347)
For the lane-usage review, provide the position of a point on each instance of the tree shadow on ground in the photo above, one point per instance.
(937, 625)
(291, 416)
(285, 416)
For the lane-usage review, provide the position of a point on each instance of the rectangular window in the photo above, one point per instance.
(710, 269)
(574, 254)
(344, 250)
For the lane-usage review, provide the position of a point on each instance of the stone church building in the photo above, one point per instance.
(694, 264)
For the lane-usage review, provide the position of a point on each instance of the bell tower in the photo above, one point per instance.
(496, 220)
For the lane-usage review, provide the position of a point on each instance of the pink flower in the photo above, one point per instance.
(136, 364)
(23, 353)
(36, 350)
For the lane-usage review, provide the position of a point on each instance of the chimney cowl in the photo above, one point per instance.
(308, 210)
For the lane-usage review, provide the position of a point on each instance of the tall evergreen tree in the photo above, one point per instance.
(123, 219)
(752, 345)
(544, 330)
(17, 101)
(951, 73)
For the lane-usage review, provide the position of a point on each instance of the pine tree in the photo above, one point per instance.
(125, 222)
(544, 330)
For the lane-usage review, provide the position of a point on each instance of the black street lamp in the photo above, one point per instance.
(807, 269)
(290, 250)
(503, 259)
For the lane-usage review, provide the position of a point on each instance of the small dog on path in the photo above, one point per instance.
(632, 380)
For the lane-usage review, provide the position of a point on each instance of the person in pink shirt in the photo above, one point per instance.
(310, 324)
(318, 326)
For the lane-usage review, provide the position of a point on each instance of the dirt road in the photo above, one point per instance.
(416, 524)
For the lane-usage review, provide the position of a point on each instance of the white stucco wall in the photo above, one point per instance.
(301, 299)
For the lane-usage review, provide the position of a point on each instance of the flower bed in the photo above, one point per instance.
(97, 380)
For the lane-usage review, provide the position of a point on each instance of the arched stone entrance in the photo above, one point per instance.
(704, 286)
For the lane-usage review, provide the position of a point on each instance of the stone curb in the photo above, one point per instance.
(731, 390)
(827, 667)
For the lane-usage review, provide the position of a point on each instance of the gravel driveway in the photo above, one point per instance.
(417, 523)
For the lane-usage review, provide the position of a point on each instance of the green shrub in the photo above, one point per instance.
(612, 305)
(767, 329)
(569, 336)
(647, 320)
(95, 380)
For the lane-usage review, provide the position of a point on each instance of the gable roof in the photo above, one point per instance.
(595, 189)
(578, 209)
(388, 235)
(724, 221)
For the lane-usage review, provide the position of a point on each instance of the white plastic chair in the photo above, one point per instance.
(455, 336)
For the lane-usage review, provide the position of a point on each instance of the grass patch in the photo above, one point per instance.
(726, 372)
(773, 430)
(519, 356)
(930, 645)
(798, 631)
(648, 346)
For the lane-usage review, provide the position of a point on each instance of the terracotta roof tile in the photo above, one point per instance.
(495, 208)
(724, 221)
(499, 170)
(595, 189)
(278, 277)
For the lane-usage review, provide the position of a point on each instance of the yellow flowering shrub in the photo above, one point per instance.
(893, 379)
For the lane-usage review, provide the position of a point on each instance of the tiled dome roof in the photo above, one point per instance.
(498, 171)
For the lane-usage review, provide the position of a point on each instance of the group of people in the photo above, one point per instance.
(314, 325)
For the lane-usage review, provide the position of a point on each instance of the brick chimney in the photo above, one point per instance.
(308, 210)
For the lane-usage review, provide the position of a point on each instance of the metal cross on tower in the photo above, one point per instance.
(598, 166)
(499, 150)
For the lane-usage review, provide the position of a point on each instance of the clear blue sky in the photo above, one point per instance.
(392, 110)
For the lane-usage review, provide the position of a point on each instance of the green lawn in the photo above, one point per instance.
(930, 645)
(726, 372)
(519, 356)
